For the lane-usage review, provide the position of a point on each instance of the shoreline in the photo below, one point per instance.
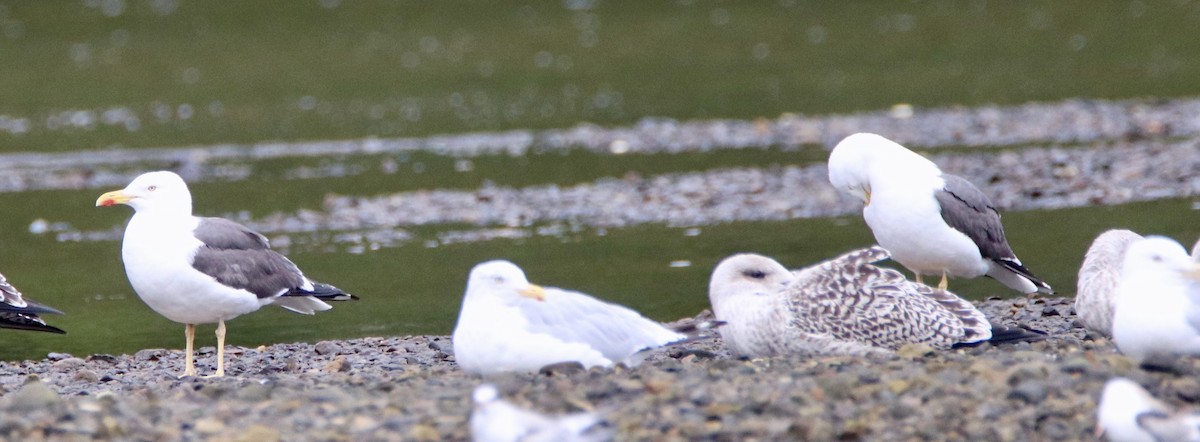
(408, 388)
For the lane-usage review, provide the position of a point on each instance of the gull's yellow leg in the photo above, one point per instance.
(189, 364)
(220, 350)
(918, 275)
(945, 282)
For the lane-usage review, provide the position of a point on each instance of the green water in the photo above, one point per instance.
(416, 290)
(210, 72)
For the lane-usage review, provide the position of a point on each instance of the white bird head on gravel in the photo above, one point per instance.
(1127, 413)
(502, 278)
(856, 159)
(1157, 313)
(744, 293)
(155, 191)
(741, 277)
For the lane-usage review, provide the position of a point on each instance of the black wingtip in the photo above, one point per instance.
(1004, 334)
(324, 292)
(1020, 269)
(29, 324)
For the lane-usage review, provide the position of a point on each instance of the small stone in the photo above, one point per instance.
(34, 395)
(67, 364)
(338, 364)
(327, 348)
(561, 368)
(58, 356)
(424, 432)
(1031, 391)
(259, 433)
(85, 375)
(915, 351)
(208, 425)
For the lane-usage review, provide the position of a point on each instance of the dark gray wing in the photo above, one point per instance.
(966, 209)
(241, 258)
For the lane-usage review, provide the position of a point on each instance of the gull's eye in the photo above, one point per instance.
(498, 280)
(756, 274)
(1157, 258)
(152, 188)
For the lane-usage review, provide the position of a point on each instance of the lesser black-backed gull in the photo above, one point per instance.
(508, 324)
(842, 306)
(497, 420)
(1158, 301)
(1128, 413)
(196, 270)
(17, 312)
(932, 222)
(1096, 294)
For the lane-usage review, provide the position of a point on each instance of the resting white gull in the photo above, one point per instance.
(932, 222)
(497, 420)
(842, 306)
(1096, 295)
(1158, 301)
(1127, 413)
(19, 313)
(197, 270)
(508, 324)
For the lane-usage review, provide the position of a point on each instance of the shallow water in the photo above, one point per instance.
(414, 289)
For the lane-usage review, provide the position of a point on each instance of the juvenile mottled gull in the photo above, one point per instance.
(842, 306)
(19, 313)
(496, 420)
(1096, 295)
(196, 270)
(932, 222)
(508, 324)
(1127, 413)
(1158, 301)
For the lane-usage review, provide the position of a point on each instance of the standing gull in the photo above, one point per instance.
(19, 313)
(842, 306)
(508, 324)
(496, 420)
(933, 223)
(1158, 301)
(1127, 413)
(1096, 296)
(197, 270)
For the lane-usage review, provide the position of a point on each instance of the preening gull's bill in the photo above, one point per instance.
(1127, 413)
(1158, 301)
(196, 270)
(19, 313)
(933, 223)
(508, 324)
(1096, 295)
(497, 420)
(842, 306)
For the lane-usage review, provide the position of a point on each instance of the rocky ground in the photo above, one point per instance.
(410, 389)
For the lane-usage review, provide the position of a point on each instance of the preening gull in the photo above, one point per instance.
(933, 223)
(19, 313)
(496, 420)
(508, 324)
(1096, 294)
(196, 270)
(1127, 413)
(1158, 301)
(842, 306)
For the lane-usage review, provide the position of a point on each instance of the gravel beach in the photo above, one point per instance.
(410, 389)
(1070, 154)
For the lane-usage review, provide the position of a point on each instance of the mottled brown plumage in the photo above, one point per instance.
(845, 305)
